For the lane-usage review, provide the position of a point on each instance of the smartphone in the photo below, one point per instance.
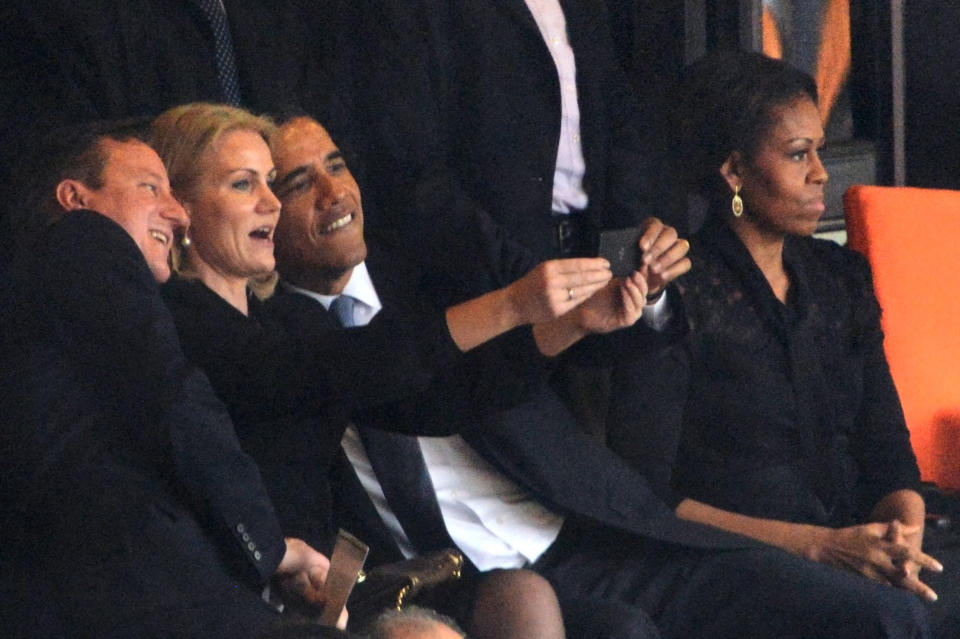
(620, 248)
(346, 562)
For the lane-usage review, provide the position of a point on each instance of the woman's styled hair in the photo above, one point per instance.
(181, 136)
(728, 101)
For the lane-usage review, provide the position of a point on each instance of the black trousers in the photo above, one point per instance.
(755, 593)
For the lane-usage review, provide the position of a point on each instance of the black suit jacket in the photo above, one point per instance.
(463, 101)
(127, 503)
(454, 396)
(530, 434)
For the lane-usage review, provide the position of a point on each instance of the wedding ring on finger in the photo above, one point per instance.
(569, 294)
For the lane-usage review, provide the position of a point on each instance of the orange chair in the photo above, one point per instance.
(911, 237)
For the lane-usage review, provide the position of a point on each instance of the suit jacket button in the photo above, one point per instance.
(246, 536)
(257, 555)
(251, 546)
(240, 528)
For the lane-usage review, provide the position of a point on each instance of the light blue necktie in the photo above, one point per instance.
(342, 309)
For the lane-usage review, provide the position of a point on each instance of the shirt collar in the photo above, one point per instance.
(359, 286)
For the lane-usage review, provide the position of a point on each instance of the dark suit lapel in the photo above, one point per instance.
(519, 11)
(296, 312)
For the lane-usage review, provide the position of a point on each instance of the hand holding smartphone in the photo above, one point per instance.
(620, 248)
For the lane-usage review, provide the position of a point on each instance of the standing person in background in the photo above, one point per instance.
(68, 62)
(501, 134)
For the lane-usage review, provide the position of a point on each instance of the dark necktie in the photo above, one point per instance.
(398, 463)
(226, 61)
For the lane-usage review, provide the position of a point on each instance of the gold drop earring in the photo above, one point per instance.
(736, 204)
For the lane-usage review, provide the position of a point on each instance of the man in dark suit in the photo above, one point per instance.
(494, 129)
(527, 488)
(128, 507)
(500, 134)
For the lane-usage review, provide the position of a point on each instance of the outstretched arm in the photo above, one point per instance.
(620, 303)
(547, 292)
(663, 255)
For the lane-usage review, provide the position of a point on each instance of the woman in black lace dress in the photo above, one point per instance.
(787, 427)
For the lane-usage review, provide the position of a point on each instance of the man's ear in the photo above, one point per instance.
(72, 194)
(730, 170)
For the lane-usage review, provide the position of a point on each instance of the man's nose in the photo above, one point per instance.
(330, 190)
(172, 210)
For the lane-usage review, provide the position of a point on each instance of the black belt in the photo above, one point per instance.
(572, 234)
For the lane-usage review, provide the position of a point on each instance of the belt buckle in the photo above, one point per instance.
(565, 230)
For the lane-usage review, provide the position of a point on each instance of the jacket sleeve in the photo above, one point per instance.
(111, 315)
(291, 362)
(502, 373)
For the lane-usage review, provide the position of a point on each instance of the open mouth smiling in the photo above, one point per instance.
(262, 233)
(160, 236)
(338, 223)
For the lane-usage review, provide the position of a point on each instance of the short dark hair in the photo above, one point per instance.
(71, 152)
(287, 113)
(727, 101)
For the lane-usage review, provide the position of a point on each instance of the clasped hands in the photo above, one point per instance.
(888, 552)
(585, 291)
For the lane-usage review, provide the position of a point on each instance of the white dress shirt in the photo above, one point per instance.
(494, 522)
(490, 518)
(568, 190)
(359, 287)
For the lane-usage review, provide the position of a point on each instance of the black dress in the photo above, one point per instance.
(788, 410)
(781, 411)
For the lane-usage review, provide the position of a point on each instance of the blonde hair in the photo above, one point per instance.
(182, 135)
